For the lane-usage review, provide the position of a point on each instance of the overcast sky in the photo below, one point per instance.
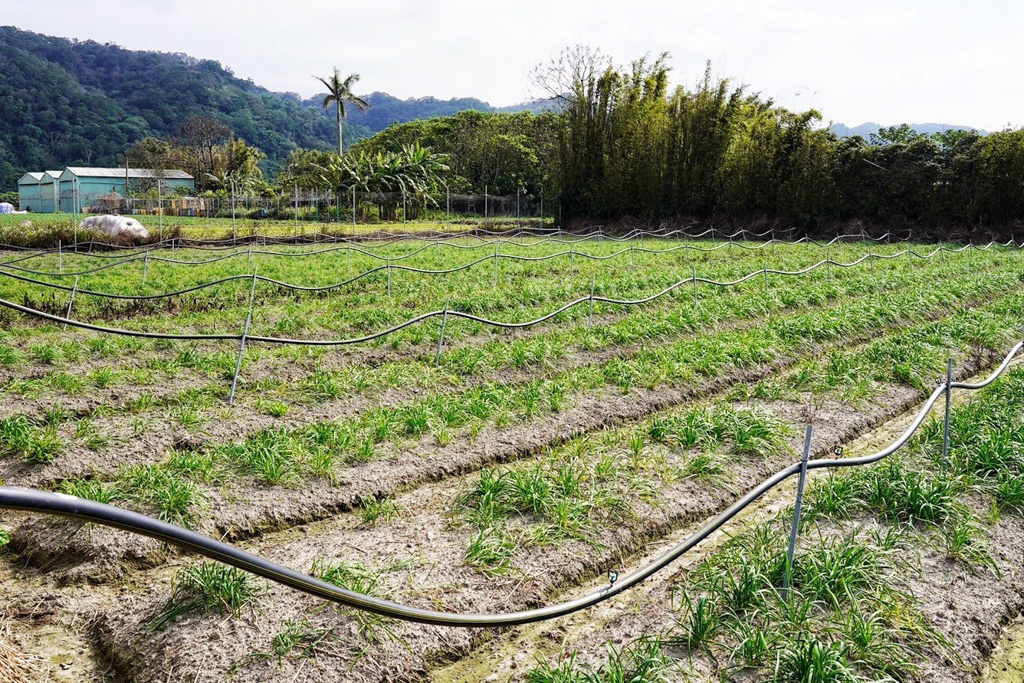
(887, 61)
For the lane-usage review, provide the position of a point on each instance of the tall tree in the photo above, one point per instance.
(340, 92)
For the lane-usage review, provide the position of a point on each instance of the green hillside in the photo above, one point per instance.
(66, 102)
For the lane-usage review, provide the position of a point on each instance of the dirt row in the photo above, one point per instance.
(236, 513)
(428, 550)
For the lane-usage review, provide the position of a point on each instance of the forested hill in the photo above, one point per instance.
(66, 102)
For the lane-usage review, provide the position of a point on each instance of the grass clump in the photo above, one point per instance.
(357, 578)
(34, 442)
(642, 661)
(208, 587)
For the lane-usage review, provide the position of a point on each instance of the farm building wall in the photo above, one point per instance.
(63, 191)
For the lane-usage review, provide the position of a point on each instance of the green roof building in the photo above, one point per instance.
(78, 186)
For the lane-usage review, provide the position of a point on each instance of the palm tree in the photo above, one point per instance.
(339, 92)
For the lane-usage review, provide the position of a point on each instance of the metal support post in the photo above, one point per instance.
(945, 424)
(74, 290)
(695, 303)
(241, 347)
(145, 266)
(590, 317)
(788, 580)
(389, 276)
(60, 257)
(440, 341)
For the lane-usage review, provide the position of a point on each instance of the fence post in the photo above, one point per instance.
(945, 424)
(74, 210)
(440, 341)
(590, 317)
(353, 210)
(241, 347)
(766, 277)
(517, 208)
(572, 260)
(60, 257)
(788, 579)
(389, 276)
(159, 208)
(234, 227)
(448, 207)
(74, 290)
(296, 210)
(405, 211)
(145, 266)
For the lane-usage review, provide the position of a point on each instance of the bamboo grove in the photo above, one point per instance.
(628, 145)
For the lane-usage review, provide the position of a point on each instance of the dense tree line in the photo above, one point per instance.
(494, 152)
(628, 145)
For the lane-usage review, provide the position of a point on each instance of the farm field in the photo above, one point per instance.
(492, 424)
(19, 229)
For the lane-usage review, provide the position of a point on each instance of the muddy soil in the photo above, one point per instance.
(237, 513)
(966, 604)
(425, 538)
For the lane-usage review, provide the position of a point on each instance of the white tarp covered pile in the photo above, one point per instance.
(116, 226)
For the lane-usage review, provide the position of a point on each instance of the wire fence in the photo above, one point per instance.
(43, 502)
(294, 212)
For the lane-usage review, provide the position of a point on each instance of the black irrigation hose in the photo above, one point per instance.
(635, 234)
(459, 314)
(250, 252)
(31, 500)
(393, 238)
(425, 271)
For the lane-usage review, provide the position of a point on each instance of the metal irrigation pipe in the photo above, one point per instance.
(31, 500)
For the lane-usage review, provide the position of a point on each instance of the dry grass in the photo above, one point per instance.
(15, 665)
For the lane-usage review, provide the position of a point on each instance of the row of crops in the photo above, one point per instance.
(501, 469)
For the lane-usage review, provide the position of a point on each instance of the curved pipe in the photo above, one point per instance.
(432, 314)
(30, 500)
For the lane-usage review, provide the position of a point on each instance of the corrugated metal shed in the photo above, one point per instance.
(91, 172)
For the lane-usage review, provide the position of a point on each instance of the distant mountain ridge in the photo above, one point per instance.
(386, 110)
(866, 130)
(68, 102)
